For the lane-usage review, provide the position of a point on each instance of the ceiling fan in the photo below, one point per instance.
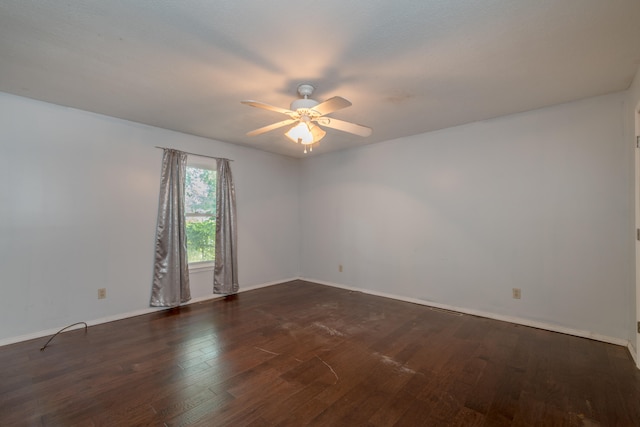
(307, 114)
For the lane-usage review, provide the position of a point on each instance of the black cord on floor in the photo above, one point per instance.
(66, 327)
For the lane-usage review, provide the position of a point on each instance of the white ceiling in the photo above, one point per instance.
(408, 66)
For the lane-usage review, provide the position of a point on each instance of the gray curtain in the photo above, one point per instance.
(225, 278)
(171, 268)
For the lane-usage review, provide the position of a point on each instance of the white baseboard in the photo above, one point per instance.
(504, 318)
(120, 316)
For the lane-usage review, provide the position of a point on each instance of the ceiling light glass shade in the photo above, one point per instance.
(300, 133)
(305, 133)
(317, 132)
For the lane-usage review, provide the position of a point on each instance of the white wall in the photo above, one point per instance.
(78, 206)
(537, 201)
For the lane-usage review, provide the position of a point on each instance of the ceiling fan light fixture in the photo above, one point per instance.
(300, 133)
(305, 133)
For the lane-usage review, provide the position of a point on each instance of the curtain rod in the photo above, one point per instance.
(195, 154)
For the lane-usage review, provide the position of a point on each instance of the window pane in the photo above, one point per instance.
(200, 191)
(200, 209)
(201, 239)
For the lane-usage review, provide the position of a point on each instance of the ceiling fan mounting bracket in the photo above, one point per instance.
(305, 90)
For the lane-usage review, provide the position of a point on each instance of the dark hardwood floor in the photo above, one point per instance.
(304, 354)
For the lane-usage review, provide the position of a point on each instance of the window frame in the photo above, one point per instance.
(199, 162)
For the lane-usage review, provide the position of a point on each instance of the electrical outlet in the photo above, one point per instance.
(340, 268)
(517, 293)
(102, 293)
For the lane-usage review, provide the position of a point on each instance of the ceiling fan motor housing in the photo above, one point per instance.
(305, 104)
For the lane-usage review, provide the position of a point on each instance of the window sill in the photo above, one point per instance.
(201, 266)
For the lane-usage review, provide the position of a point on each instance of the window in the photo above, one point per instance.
(200, 212)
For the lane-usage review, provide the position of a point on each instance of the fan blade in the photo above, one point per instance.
(271, 127)
(344, 126)
(332, 104)
(264, 106)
